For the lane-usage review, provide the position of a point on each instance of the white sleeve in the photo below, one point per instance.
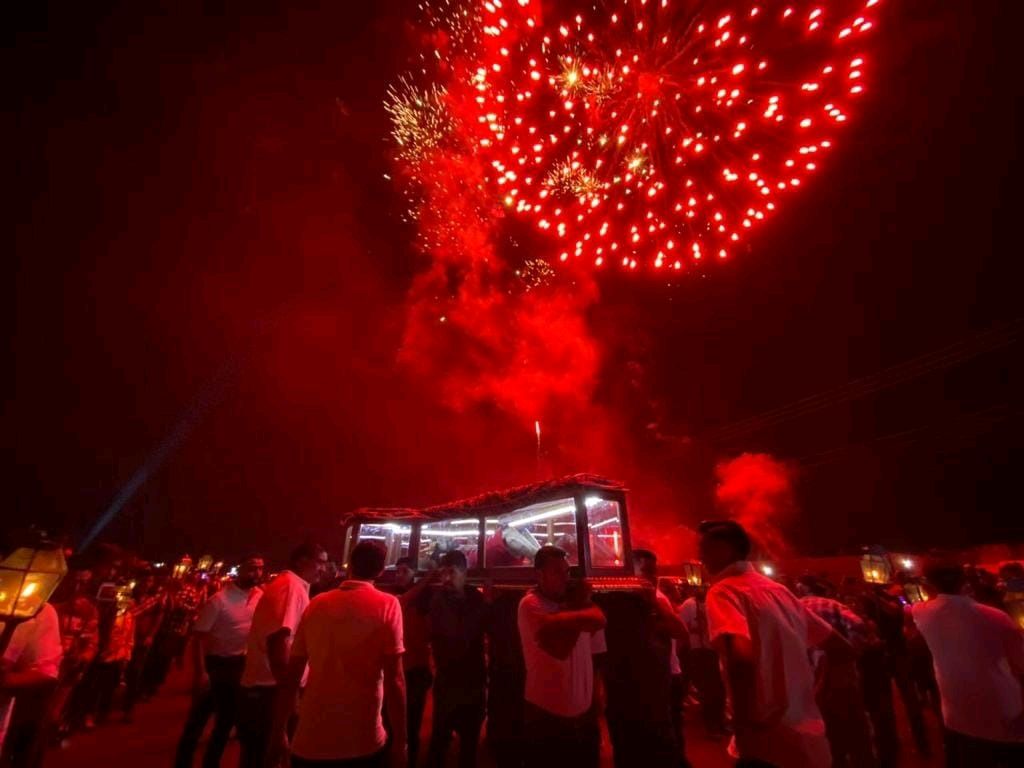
(44, 651)
(207, 615)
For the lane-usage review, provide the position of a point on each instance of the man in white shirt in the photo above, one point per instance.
(559, 640)
(763, 633)
(978, 654)
(220, 635)
(351, 638)
(274, 623)
(642, 737)
(701, 663)
(30, 666)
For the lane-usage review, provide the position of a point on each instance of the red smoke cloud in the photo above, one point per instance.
(474, 334)
(756, 490)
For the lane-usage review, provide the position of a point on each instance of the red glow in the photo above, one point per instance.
(757, 490)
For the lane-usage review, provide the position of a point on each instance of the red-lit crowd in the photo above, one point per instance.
(310, 669)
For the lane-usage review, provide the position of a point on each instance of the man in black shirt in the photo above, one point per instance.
(457, 618)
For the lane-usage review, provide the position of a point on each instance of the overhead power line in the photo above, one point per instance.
(942, 359)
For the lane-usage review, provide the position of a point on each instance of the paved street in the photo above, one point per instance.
(150, 739)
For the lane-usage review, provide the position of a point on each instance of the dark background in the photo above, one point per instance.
(201, 222)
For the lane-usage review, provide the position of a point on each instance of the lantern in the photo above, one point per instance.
(205, 562)
(915, 592)
(28, 576)
(182, 567)
(876, 568)
(692, 572)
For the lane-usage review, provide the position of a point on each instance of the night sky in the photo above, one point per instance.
(202, 225)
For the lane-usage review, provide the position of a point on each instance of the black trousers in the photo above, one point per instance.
(968, 752)
(133, 677)
(220, 702)
(701, 669)
(255, 718)
(376, 760)
(678, 724)
(417, 685)
(557, 742)
(455, 712)
(100, 688)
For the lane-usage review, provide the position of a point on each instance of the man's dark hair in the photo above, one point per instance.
(728, 531)
(548, 554)
(406, 561)
(307, 550)
(947, 576)
(455, 559)
(367, 560)
(251, 556)
(645, 554)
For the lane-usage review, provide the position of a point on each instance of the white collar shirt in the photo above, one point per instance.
(227, 618)
(34, 645)
(788, 726)
(563, 687)
(978, 653)
(695, 618)
(347, 634)
(281, 606)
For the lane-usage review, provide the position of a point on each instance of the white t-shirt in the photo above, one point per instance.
(281, 606)
(35, 645)
(789, 730)
(673, 659)
(690, 616)
(346, 634)
(561, 687)
(227, 617)
(978, 653)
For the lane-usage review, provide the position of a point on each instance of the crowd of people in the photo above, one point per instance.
(313, 668)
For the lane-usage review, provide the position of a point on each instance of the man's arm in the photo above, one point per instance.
(415, 592)
(284, 707)
(200, 678)
(557, 633)
(737, 654)
(277, 655)
(589, 619)
(394, 700)
(668, 621)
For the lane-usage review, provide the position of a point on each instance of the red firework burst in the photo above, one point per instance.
(658, 132)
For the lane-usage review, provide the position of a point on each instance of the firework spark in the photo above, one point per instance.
(420, 118)
(645, 133)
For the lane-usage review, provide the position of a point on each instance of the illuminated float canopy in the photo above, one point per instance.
(499, 532)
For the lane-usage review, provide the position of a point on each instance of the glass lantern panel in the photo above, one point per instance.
(49, 561)
(605, 530)
(34, 592)
(20, 558)
(10, 586)
(444, 536)
(394, 537)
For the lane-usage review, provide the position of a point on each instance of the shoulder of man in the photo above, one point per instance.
(994, 616)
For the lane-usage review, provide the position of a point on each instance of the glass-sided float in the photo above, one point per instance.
(500, 532)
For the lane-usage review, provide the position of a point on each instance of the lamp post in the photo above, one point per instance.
(28, 576)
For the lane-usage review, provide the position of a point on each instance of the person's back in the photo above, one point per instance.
(346, 635)
(778, 628)
(978, 655)
(763, 634)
